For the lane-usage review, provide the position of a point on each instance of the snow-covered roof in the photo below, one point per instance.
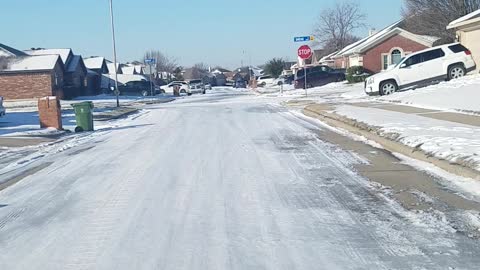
(111, 68)
(464, 19)
(109, 79)
(64, 53)
(128, 70)
(7, 51)
(370, 41)
(139, 69)
(94, 62)
(327, 58)
(33, 63)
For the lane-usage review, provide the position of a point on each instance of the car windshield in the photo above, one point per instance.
(240, 135)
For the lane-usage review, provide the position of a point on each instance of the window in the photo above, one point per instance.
(396, 56)
(416, 59)
(431, 55)
(457, 48)
(385, 61)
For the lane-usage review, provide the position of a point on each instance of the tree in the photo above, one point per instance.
(431, 17)
(335, 26)
(274, 67)
(177, 73)
(164, 62)
(199, 70)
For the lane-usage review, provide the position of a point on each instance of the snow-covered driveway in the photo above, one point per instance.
(222, 181)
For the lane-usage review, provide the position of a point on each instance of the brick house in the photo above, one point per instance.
(26, 77)
(381, 49)
(75, 70)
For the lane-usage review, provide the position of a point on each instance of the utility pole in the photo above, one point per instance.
(114, 54)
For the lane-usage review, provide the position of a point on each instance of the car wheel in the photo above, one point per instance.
(388, 88)
(144, 93)
(456, 71)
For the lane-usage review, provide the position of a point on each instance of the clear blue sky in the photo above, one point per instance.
(215, 32)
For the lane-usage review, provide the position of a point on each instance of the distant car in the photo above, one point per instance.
(183, 86)
(319, 76)
(263, 81)
(197, 86)
(2, 108)
(445, 62)
(143, 88)
(240, 84)
(284, 79)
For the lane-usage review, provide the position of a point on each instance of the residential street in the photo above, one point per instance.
(227, 180)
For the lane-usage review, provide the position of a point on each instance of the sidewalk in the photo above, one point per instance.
(447, 139)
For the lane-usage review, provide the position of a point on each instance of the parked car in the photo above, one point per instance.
(2, 108)
(208, 86)
(240, 84)
(143, 88)
(319, 76)
(197, 86)
(445, 62)
(284, 79)
(262, 81)
(183, 86)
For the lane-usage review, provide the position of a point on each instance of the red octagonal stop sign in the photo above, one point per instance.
(304, 52)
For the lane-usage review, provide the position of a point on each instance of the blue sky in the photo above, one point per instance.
(215, 32)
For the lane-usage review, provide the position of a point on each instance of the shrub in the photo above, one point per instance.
(356, 74)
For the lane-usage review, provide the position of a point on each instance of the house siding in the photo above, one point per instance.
(471, 40)
(372, 59)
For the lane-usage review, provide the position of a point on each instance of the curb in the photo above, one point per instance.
(371, 133)
(107, 117)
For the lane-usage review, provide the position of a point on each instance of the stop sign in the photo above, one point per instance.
(304, 52)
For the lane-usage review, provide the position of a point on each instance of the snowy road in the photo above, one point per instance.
(222, 181)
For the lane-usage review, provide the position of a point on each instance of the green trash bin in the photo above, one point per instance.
(83, 116)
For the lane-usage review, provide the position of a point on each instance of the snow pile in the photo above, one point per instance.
(445, 140)
(459, 95)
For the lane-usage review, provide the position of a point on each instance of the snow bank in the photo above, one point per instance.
(457, 95)
(445, 140)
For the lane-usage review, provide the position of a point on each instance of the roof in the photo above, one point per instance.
(139, 69)
(109, 79)
(111, 68)
(9, 51)
(464, 20)
(64, 53)
(371, 41)
(128, 70)
(74, 63)
(33, 63)
(94, 62)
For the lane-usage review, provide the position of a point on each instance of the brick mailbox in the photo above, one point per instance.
(50, 113)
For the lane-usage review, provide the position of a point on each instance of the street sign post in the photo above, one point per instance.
(303, 39)
(305, 52)
(150, 62)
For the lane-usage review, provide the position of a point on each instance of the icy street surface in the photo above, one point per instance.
(221, 181)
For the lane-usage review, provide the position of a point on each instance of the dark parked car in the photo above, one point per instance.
(318, 76)
(240, 84)
(136, 88)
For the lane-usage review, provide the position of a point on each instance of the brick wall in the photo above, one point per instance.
(26, 85)
(50, 113)
(372, 59)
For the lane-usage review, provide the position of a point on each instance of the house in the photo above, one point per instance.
(468, 33)
(130, 70)
(379, 50)
(23, 76)
(111, 68)
(96, 67)
(75, 80)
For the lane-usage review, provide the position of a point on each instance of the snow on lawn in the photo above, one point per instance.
(450, 141)
(458, 95)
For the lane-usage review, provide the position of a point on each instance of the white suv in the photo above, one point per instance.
(444, 62)
(183, 86)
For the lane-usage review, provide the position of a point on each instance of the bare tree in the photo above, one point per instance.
(431, 17)
(199, 70)
(335, 26)
(164, 62)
